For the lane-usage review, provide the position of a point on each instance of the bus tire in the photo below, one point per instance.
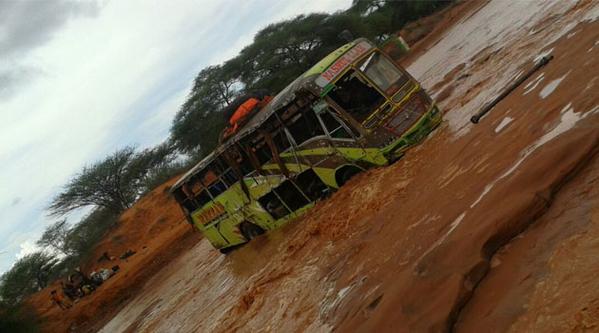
(346, 173)
(227, 250)
(250, 230)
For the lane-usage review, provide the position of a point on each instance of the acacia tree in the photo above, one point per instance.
(28, 275)
(54, 237)
(196, 127)
(113, 183)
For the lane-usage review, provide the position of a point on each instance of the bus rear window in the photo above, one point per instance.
(356, 96)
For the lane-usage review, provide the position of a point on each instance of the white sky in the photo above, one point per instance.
(79, 80)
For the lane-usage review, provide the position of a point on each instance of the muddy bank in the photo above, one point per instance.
(547, 271)
(155, 229)
(417, 246)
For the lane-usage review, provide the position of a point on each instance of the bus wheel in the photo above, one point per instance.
(250, 230)
(346, 173)
(227, 250)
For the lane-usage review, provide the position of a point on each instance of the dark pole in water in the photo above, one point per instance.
(476, 118)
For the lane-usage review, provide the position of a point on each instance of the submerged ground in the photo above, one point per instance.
(489, 227)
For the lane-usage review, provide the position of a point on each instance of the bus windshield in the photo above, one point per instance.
(354, 94)
(382, 72)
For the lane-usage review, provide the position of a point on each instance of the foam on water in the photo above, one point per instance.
(551, 86)
(484, 192)
(530, 86)
(504, 122)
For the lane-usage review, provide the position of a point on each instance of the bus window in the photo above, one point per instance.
(202, 198)
(273, 205)
(304, 126)
(263, 152)
(291, 195)
(292, 200)
(334, 127)
(185, 201)
(227, 175)
(311, 185)
(383, 73)
(281, 141)
(217, 188)
(242, 160)
(356, 96)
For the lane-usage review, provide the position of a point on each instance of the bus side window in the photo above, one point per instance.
(186, 202)
(305, 127)
(229, 176)
(263, 152)
(281, 141)
(291, 195)
(273, 205)
(217, 188)
(242, 160)
(311, 185)
(335, 129)
(202, 198)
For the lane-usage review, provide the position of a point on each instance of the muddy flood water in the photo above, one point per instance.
(490, 227)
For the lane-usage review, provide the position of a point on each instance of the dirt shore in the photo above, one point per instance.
(156, 230)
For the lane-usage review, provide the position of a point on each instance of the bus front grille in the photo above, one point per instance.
(408, 114)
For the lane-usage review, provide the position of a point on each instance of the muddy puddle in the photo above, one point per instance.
(424, 244)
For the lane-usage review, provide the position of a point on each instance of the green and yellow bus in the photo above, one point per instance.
(354, 109)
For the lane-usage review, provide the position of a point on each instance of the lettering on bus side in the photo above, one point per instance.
(341, 63)
(211, 213)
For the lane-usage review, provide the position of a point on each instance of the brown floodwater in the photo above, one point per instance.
(443, 239)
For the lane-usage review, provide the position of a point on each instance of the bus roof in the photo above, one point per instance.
(306, 81)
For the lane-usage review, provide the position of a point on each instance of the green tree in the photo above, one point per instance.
(83, 236)
(113, 183)
(54, 236)
(197, 125)
(282, 51)
(28, 275)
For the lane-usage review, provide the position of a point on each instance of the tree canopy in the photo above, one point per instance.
(113, 183)
(54, 237)
(29, 274)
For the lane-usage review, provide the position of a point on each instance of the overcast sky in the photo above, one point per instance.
(80, 79)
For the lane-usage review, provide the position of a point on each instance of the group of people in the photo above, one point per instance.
(79, 285)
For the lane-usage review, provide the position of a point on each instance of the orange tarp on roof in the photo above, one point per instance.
(243, 110)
